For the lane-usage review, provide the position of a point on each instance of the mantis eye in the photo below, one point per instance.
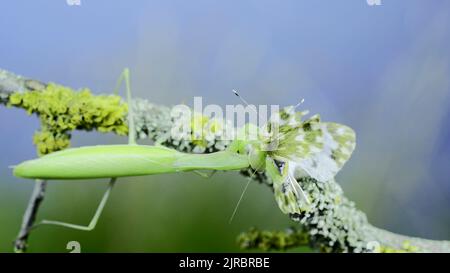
(257, 159)
(238, 146)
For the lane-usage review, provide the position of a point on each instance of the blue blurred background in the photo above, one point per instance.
(383, 70)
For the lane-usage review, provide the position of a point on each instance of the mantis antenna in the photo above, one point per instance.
(251, 176)
(242, 196)
(125, 75)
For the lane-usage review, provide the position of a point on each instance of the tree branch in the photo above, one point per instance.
(397, 241)
(333, 224)
(29, 217)
(10, 83)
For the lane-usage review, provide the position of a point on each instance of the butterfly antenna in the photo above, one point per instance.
(300, 103)
(295, 107)
(243, 100)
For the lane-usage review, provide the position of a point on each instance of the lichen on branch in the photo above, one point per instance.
(273, 240)
(62, 110)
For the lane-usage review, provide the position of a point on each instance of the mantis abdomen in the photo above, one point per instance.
(107, 161)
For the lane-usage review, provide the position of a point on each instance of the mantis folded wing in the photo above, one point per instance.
(121, 161)
(107, 161)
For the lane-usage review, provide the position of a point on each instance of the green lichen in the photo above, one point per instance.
(406, 248)
(272, 240)
(47, 142)
(62, 110)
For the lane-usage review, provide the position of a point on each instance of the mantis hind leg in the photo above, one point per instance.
(94, 219)
(125, 75)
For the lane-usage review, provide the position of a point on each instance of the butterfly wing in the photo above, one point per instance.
(298, 140)
(317, 149)
(312, 148)
(289, 195)
(338, 145)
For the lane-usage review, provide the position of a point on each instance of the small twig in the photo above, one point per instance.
(20, 244)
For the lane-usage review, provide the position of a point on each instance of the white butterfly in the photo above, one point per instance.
(291, 148)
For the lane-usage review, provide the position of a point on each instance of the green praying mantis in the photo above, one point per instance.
(285, 148)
